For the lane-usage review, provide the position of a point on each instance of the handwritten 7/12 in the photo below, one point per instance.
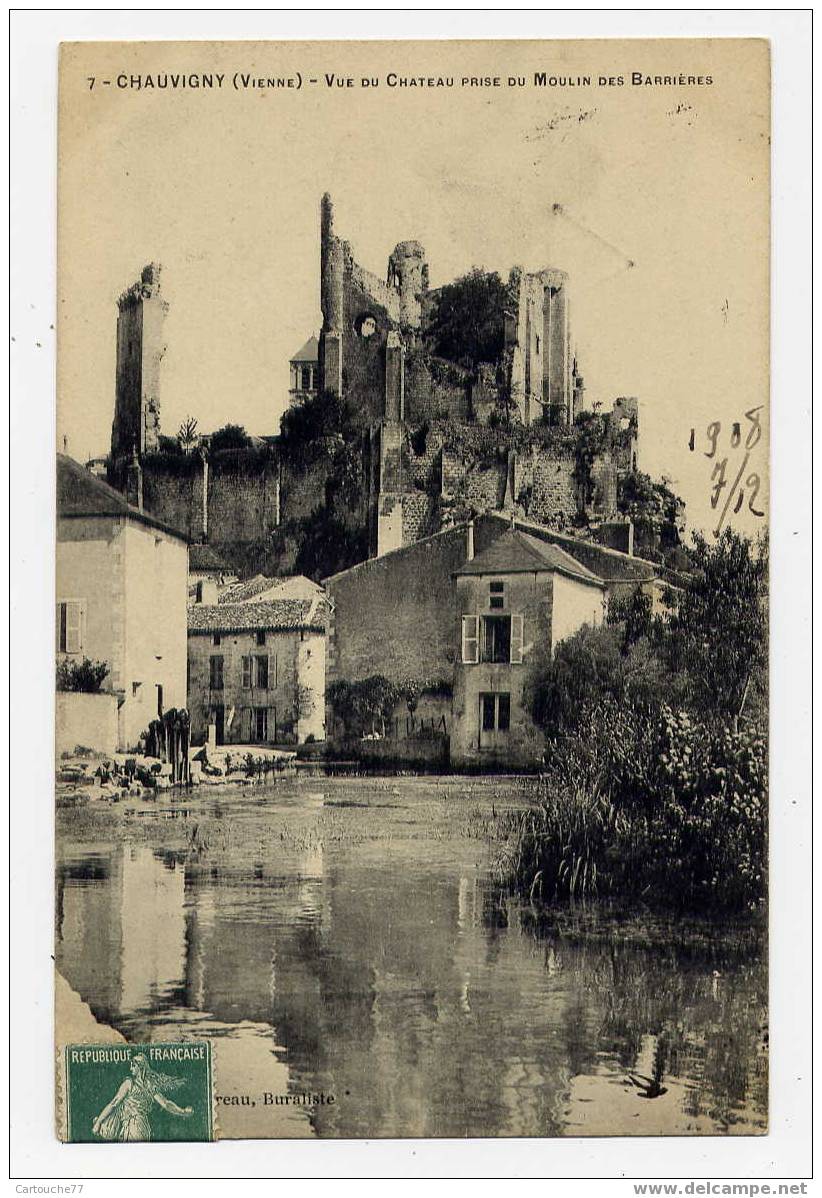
(744, 440)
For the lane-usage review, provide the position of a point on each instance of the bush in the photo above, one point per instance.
(655, 806)
(86, 676)
(230, 436)
(591, 668)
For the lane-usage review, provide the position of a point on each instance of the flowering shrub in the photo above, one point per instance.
(708, 821)
(648, 804)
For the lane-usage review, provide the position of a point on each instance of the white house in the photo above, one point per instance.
(122, 585)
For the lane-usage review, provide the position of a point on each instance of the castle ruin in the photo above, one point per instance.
(439, 435)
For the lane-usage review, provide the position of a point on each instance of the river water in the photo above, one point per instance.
(345, 939)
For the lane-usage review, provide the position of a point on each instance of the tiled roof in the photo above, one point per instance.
(295, 586)
(279, 615)
(310, 352)
(80, 493)
(515, 552)
(241, 592)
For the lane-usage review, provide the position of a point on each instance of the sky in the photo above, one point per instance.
(654, 200)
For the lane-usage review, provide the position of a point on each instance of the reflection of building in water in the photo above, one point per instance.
(406, 998)
(121, 932)
(153, 930)
(395, 973)
(236, 922)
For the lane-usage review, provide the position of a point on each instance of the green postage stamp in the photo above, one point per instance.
(119, 1092)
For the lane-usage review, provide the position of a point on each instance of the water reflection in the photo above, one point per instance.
(388, 973)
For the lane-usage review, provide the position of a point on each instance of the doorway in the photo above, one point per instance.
(494, 720)
(218, 719)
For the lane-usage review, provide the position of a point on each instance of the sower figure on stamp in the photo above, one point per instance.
(126, 1117)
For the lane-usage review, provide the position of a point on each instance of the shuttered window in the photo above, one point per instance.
(516, 639)
(70, 626)
(256, 671)
(215, 679)
(470, 639)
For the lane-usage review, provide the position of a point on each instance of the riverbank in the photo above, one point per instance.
(217, 821)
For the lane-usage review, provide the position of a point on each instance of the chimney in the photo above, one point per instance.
(469, 541)
(207, 591)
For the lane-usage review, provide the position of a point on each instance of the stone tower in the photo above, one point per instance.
(557, 377)
(332, 299)
(408, 272)
(140, 349)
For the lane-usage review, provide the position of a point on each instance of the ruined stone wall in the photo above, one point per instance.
(370, 285)
(242, 501)
(604, 479)
(553, 494)
(420, 516)
(363, 357)
(243, 496)
(173, 491)
(302, 491)
(435, 389)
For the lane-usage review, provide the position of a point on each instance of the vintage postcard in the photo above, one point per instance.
(412, 589)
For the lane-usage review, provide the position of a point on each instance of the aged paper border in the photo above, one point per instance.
(36, 1155)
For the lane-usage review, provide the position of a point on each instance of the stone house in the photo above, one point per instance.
(467, 609)
(256, 669)
(121, 599)
(208, 574)
(518, 594)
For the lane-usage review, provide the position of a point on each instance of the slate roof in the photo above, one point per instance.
(515, 552)
(610, 565)
(80, 493)
(278, 615)
(310, 352)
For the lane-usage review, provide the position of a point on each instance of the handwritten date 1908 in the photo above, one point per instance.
(748, 439)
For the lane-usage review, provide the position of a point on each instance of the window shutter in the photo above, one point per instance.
(516, 639)
(247, 673)
(61, 627)
(470, 639)
(74, 627)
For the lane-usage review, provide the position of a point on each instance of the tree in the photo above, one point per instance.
(316, 427)
(717, 632)
(468, 323)
(187, 433)
(633, 612)
(587, 670)
(230, 436)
